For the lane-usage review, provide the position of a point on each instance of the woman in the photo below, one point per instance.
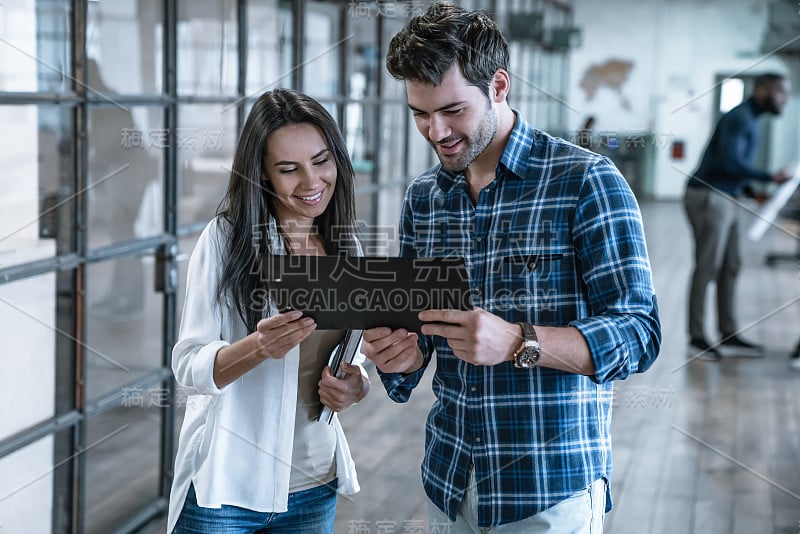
(251, 456)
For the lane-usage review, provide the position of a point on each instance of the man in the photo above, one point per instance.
(554, 245)
(710, 202)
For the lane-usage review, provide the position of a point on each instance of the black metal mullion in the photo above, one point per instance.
(168, 262)
(72, 418)
(377, 123)
(38, 267)
(241, 85)
(143, 516)
(127, 248)
(78, 462)
(11, 98)
(40, 430)
(117, 397)
(298, 42)
(344, 94)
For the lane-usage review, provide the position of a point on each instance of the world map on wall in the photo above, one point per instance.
(613, 74)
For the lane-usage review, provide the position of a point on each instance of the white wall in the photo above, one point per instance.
(677, 48)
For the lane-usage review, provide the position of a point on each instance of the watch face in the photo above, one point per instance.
(527, 358)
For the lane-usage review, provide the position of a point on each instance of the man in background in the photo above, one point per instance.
(711, 200)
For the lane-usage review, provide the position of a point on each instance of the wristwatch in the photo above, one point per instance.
(528, 353)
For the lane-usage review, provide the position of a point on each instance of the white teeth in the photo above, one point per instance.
(312, 198)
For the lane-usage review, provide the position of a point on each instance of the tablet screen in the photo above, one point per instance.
(350, 292)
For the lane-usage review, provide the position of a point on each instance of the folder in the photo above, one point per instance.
(345, 352)
(768, 214)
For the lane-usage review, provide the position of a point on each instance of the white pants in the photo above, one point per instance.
(583, 513)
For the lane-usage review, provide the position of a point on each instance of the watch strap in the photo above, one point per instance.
(528, 332)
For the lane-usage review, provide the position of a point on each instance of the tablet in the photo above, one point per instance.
(349, 292)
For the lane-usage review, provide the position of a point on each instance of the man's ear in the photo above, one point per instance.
(501, 83)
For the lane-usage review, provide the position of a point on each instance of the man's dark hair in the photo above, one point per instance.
(425, 49)
(766, 80)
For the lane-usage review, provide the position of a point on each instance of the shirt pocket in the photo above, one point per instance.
(529, 284)
(521, 268)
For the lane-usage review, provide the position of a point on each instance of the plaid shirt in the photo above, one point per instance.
(556, 239)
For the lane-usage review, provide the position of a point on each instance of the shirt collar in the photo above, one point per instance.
(276, 244)
(518, 149)
(514, 158)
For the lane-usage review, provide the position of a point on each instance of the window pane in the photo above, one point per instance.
(207, 39)
(359, 119)
(136, 67)
(36, 54)
(731, 94)
(362, 83)
(363, 64)
(36, 204)
(123, 323)
(27, 478)
(322, 50)
(392, 156)
(204, 164)
(421, 155)
(364, 209)
(28, 330)
(392, 176)
(269, 45)
(123, 455)
(392, 89)
(125, 173)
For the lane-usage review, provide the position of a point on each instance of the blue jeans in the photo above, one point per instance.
(310, 511)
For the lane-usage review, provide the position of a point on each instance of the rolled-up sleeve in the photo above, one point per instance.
(399, 386)
(200, 336)
(623, 329)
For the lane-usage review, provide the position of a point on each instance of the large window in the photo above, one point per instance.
(120, 124)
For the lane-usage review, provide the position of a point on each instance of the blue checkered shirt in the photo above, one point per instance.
(555, 240)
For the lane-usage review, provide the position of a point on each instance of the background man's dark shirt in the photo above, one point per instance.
(727, 163)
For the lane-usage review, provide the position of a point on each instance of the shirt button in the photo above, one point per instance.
(479, 239)
(473, 389)
(477, 440)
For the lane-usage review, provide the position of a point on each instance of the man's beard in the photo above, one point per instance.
(475, 143)
(773, 107)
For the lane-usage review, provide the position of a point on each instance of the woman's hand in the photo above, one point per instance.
(273, 338)
(277, 334)
(338, 394)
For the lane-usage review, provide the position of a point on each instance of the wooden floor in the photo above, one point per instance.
(699, 447)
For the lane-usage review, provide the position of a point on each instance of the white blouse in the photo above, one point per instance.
(236, 442)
